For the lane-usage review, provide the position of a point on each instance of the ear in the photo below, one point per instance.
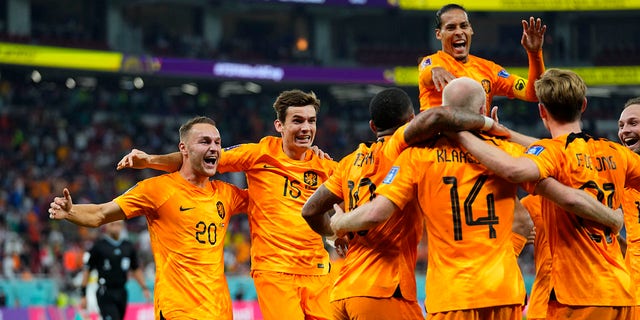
(373, 127)
(438, 34)
(278, 125)
(584, 105)
(183, 148)
(543, 111)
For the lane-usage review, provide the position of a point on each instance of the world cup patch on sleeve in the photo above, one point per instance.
(535, 150)
(425, 63)
(391, 175)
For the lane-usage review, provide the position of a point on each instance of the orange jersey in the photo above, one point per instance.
(468, 212)
(281, 240)
(381, 259)
(587, 265)
(631, 208)
(187, 226)
(542, 284)
(495, 80)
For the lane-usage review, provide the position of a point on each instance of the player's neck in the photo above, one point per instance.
(195, 179)
(557, 129)
(295, 153)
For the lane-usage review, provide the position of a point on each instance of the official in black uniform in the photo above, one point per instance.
(113, 257)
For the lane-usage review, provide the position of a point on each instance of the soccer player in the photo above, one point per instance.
(188, 216)
(629, 135)
(472, 272)
(377, 279)
(454, 31)
(589, 278)
(541, 289)
(113, 258)
(289, 265)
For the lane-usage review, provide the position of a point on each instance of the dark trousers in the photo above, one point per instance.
(112, 302)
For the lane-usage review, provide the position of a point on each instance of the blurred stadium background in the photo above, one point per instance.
(82, 82)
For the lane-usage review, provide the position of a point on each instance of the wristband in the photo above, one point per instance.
(83, 290)
(488, 123)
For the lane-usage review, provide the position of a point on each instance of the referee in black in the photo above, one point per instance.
(113, 257)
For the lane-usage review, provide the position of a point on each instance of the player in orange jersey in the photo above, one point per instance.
(289, 265)
(472, 272)
(589, 278)
(188, 216)
(377, 280)
(454, 31)
(629, 135)
(537, 304)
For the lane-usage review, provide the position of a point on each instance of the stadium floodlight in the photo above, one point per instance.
(189, 88)
(138, 83)
(36, 76)
(70, 83)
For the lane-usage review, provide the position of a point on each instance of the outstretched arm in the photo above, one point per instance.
(86, 215)
(138, 159)
(580, 203)
(532, 39)
(317, 209)
(433, 120)
(515, 136)
(515, 170)
(364, 217)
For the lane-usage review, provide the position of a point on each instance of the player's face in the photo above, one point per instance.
(299, 127)
(455, 34)
(629, 127)
(203, 146)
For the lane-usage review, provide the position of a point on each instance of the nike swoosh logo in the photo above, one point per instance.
(185, 209)
(266, 166)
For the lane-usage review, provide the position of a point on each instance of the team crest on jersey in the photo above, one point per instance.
(535, 150)
(391, 175)
(231, 147)
(311, 178)
(220, 208)
(503, 73)
(425, 63)
(519, 85)
(486, 85)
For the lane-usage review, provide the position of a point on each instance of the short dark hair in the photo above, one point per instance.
(294, 98)
(446, 8)
(186, 127)
(390, 108)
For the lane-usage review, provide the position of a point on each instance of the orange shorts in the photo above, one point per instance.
(292, 296)
(369, 308)
(558, 310)
(513, 312)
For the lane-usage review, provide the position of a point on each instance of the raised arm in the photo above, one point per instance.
(532, 40)
(515, 170)
(86, 215)
(138, 159)
(318, 208)
(580, 203)
(433, 120)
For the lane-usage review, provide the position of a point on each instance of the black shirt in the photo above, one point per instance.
(113, 259)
